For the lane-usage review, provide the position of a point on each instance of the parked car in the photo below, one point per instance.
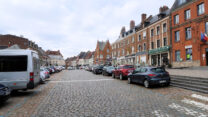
(4, 93)
(44, 74)
(122, 71)
(107, 70)
(149, 76)
(98, 69)
(20, 69)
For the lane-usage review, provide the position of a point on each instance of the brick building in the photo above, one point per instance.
(189, 18)
(24, 43)
(159, 38)
(102, 53)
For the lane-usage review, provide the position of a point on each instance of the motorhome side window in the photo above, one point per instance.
(13, 63)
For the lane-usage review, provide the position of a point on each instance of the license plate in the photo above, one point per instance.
(163, 81)
(130, 71)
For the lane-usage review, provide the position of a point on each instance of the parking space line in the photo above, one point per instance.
(187, 111)
(203, 98)
(159, 113)
(72, 81)
(195, 103)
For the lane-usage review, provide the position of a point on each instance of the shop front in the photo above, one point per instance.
(130, 60)
(159, 56)
(141, 59)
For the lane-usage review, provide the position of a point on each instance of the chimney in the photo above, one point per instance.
(163, 9)
(132, 24)
(144, 16)
(123, 30)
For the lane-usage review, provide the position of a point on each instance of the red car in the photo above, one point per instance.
(122, 71)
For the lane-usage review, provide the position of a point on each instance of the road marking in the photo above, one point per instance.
(159, 113)
(197, 104)
(187, 111)
(71, 81)
(200, 97)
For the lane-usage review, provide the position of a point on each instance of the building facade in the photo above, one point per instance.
(55, 58)
(159, 38)
(102, 53)
(189, 19)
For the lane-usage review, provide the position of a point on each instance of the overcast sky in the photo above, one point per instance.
(72, 26)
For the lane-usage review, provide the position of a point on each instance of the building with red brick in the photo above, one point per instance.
(102, 53)
(23, 43)
(189, 18)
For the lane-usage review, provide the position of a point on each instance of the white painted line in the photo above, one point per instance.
(71, 81)
(187, 111)
(159, 113)
(200, 97)
(197, 104)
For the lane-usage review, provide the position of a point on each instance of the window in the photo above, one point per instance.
(152, 45)
(181, 1)
(177, 55)
(13, 63)
(123, 52)
(108, 56)
(139, 48)
(127, 41)
(188, 33)
(152, 32)
(189, 54)
(177, 36)
(200, 9)
(158, 43)
(144, 46)
(132, 50)
(165, 42)
(164, 27)
(158, 30)
(187, 14)
(132, 39)
(176, 19)
(107, 50)
(101, 56)
(144, 35)
(206, 27)
(140, 38)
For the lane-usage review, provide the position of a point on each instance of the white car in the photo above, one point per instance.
(42, 76)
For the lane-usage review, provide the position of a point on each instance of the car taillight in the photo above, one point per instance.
(31, 76)
(151, 75)
(46, 72)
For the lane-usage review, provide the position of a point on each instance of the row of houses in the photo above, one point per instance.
(83, 59)
(174, 37)
(47, 58)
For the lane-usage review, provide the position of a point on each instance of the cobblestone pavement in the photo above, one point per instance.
(80, 93)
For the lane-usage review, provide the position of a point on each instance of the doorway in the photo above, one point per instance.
(207, 56)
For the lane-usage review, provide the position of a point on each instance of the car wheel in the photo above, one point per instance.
(129, 81)
(121, 77)
(146, 84)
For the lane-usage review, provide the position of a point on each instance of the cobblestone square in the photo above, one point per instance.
(80, 93)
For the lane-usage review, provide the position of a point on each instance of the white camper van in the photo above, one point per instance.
(19, 69)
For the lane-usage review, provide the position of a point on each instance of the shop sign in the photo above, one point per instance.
(140, 53)
(159, 50)
(189, 46)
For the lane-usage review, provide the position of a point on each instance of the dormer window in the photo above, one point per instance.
(181, 1)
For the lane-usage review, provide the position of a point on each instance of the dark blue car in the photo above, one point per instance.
(149, 76)
(4, 93)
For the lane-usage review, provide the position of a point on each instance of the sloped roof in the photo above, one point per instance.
(178, 5)
(157, 18)
(101, 45)
(49, 52)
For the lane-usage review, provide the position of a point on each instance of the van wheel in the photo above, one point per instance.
(146, 84)
(121, 77)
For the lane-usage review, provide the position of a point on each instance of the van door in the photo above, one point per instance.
(36, 70)
(13, 71)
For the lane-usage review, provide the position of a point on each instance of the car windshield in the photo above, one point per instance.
(128, 66)
(158, 70)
